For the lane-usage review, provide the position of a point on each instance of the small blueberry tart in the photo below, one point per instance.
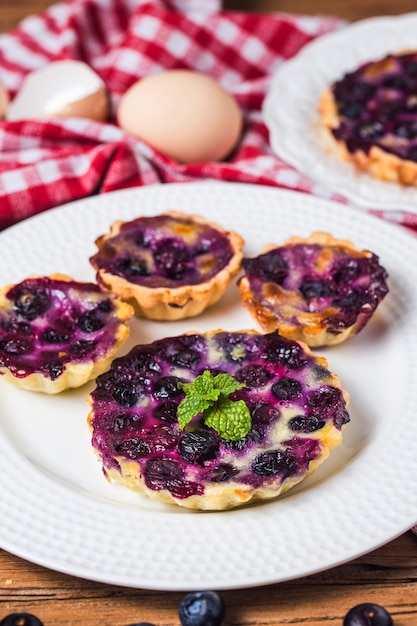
(320, 290)
(216, 420)
(170, 266)
(371, 115)
(57, 333)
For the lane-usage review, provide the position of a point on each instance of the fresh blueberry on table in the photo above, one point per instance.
(21, 619)
(201, 608)
(367, 614)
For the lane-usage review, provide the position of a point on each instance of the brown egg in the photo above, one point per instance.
(185, 114)
(61, 89)
(4, 101)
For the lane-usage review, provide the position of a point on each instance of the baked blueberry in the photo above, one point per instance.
(57, 333)
(329, 292)
(171, 266)
(218, 432)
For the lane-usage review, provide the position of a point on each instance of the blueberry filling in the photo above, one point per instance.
(167, 411)
(221, 473)
(253, 375)
(125, 394)
(163, 251)
(172, 259)
(275, 462)
(197, 447)
(166, 387)
(287, 353)
(133, 448)
(377, 106)
(51, 335)
(29, 301)
(304, 424)
(165, 473)
(90, 322)
(285, 388)
(270, 266)
(132, 267)
(49, 322)
(264, 412)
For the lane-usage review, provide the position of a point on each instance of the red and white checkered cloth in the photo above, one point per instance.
(47, 163)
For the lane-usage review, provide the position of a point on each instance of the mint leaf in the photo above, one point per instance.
(230, 419)
(190, 406)
(202, 386)
(209, 395)
(226, 384)
(199, 395)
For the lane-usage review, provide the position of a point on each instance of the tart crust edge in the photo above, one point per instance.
(306, 327)
(171, 304)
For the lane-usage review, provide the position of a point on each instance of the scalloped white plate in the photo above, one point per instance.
(56, 508)
(291, 113)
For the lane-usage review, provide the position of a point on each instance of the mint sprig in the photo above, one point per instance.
(209, 395)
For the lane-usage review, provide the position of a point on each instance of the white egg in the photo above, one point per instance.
(61, 89)
(185, 114)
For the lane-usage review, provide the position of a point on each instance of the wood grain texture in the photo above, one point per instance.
(351, 10)
(12, 11)
(387, 576)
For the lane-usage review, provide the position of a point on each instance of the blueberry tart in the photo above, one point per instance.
(170, 266)
(320, 290)
(371, 115)
(216, 420)
(57, 333)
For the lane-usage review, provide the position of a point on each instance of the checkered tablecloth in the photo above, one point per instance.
(47, 163)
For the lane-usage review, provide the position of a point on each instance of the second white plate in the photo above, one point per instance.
(57, 509)
(291, 108)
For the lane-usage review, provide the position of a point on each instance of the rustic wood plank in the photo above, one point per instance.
(351, 10)
(12, 12)
(387, 576)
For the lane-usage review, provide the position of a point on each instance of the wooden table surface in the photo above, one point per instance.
(387, 576)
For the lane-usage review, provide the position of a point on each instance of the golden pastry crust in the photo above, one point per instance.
(286, 309)
(74, 370)
(278, 452)
(376, 162)
(218, 496)
(169, 303)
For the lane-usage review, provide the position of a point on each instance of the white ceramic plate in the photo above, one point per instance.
(291, 107)
(57, 509)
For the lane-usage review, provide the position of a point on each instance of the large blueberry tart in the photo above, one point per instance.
(319, 289)
(171, 266)
(371, 114)
(216, 420)
(57, 333)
